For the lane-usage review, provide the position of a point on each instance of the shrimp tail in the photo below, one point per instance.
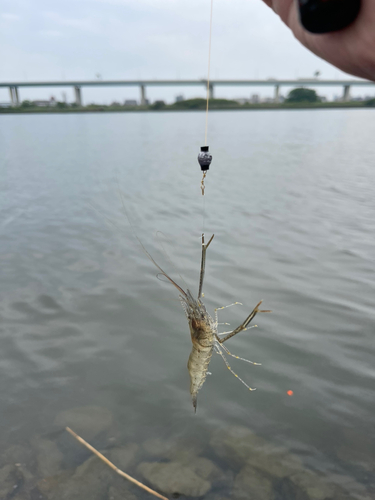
(194, 399)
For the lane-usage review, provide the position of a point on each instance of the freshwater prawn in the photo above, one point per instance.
(204, 330)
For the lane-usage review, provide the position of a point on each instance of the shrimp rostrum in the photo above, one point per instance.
(204, 331)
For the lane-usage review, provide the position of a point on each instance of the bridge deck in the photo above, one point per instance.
(269, 82)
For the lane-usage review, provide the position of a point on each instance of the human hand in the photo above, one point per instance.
(352, 49)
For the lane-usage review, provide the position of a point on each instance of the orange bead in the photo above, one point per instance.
(290, 393)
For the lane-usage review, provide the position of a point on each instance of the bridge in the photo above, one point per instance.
(142, 84)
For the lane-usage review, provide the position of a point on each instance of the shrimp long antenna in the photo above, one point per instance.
(181, 290)
(203, 264)
(166, 254)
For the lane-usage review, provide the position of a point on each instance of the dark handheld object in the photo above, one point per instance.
(204, 158)
(323, 16)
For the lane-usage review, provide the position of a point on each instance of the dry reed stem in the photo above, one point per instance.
(113, 466)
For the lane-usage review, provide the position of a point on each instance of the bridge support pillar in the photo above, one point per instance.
(346, 94)
(17, 99)
(276, 97)
(14, 98)
(143, 96)
(11, 93)
(211, 91)
(78, 95)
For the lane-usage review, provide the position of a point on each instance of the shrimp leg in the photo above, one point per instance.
(244, 325)
(203, 264)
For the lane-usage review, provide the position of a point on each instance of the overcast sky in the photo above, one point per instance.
(133, 39)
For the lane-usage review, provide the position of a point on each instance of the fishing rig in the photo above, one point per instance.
(204, 156)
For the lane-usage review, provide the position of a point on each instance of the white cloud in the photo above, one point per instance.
(8, 16)
(50, 33)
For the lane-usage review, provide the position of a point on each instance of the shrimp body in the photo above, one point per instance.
(203, 331)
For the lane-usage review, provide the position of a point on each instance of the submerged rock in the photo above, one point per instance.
(179, 450)
(174, 478)
(315, 486)
(278, 464)
(238, 444)
(216, 496)
(250, 483)
(10, 480)
(87, 421)
(206, 469)
(48, 486)
(17, 454)
(22, 495)
(91, 480)
(48, 457)
(120, 493)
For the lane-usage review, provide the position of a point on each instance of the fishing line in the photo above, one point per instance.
(208, 74)
(204, 157)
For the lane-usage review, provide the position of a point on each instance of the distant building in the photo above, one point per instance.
(179, 98)
(130, 102)
(45, 104)
(5, 104)
(243, 100)
(254, 99)
(40, 103)
(115, 103)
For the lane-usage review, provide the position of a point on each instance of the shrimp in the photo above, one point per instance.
(203, 328)
(204, 331)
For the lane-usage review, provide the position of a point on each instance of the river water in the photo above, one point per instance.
(86, 322)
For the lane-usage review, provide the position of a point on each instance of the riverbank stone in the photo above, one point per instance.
(251, 484)
(315, 486)
(48, 457)
(91, 480)
(120, 493)
(237, 444)
(10, 480)
(87, 421)
(17, 454)
(124, 456)
(279, 464)
(174, 478)
(180, 449)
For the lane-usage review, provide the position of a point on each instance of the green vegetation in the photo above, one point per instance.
(26, 104)
(197, 104)
(158, 105)
(302, 95)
